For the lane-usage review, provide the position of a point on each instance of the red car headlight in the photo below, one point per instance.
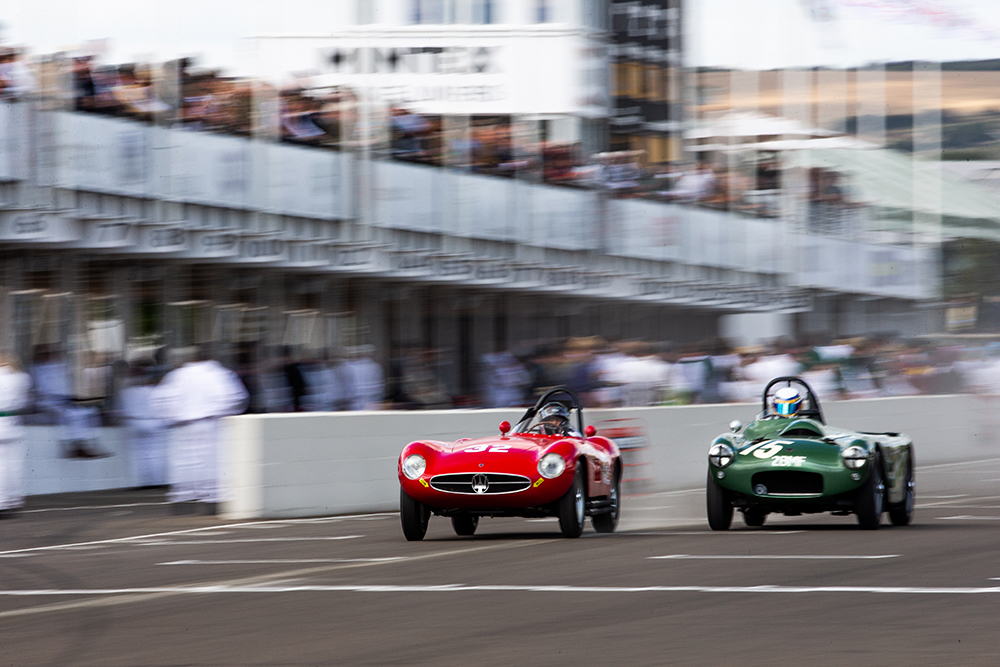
(414, 466)
(551, 465)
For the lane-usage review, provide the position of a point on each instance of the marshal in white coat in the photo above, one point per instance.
(192, 399)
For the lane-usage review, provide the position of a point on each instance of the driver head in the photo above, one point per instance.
(554, 413)
(787, 401)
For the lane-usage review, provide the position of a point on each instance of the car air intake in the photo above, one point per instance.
(479, 483)
(789, 482)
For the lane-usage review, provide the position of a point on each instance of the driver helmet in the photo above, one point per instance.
(787, 401)
(554, 413)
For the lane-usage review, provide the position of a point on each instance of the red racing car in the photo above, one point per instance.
(543, 467)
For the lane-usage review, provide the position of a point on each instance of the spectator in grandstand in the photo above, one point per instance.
(84, 87)
(15, 390)
(337, 115)
(134, 95)
(16, 80)
(297, 124)
(192, 399)
(409, 132)
(622, 174)
(200, 105)
(697, 184)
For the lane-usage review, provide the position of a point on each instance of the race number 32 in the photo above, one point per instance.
(500, 449)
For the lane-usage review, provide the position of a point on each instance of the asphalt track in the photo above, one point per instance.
(115, 579)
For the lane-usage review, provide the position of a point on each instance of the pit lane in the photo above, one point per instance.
(114, 579)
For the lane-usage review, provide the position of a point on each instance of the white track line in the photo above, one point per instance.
(145, 595)
(280, 561)
(935, 466)
(966, 499)
(770, 557)
(170, 543)
(681, 492)
(713, 532)
(463, 588)
(968, 517)
(91, 507)
(189, 531)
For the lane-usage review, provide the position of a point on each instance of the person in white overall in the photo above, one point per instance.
(192, 399)
(15, 393)
(146, 430)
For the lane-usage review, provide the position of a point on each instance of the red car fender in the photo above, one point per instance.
(604, 457)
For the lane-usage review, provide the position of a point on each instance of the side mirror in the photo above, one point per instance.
(504, 427)
(735, 425)
(590, 431)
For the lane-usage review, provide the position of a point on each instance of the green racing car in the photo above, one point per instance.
(789, 461)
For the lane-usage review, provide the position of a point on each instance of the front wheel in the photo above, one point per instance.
(571, 506)
(414, 516)
(606, 523)
(754, 518)
(902, 514)
(464, 524)
(871, 497)
(720, 509)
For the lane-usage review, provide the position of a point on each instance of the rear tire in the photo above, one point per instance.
(464, 524)
(871, 497)
(902, 514)
(606, 523)
(414, 516)
(754, 518)
(720, 509)
(571, 505)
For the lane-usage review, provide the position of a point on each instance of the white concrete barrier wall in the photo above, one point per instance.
(47, 471)
(287, 465)
(294, 465)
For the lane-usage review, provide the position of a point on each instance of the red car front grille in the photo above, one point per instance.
(480, 483)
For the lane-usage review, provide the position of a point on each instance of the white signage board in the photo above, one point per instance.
(462, 70)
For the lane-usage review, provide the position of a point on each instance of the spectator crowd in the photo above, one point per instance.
(180, 94)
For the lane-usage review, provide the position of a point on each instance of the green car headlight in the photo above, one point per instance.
(551, 465)
(855, 457)
(414, 466)
(721, 455)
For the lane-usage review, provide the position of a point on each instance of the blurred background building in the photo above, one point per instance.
(451, 179)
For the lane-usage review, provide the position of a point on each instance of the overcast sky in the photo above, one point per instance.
(740, 33)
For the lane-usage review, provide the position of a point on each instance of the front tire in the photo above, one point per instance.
(414, 516)
(606, 523)
(902, 514)
(464, 524)
(720, 509)
(754, 518)
(871, 498)
(571, 505)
